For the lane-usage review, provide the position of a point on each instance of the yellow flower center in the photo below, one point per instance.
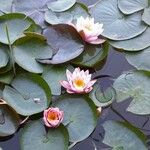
(79, 83)
(88, 27)
(52, 116)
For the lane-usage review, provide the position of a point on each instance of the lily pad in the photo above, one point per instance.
(29, 94)
(80, 116)
(102, 98)
(4, 56)
(128, 86)
(132, 6)
(32, 8)
(60, 5)
(140, 60)
(9, 121)
(92, 56)
(7, 77)
(29, 48)
(122, 136)
(68, 16)
(146, 16)
(53, 75)
(117, 26)
(66, 41)
(16, 24)
(6, 6)
(135, 44)
(35, 136)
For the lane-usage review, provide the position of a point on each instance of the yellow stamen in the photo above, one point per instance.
(79, 83)
(52, 116)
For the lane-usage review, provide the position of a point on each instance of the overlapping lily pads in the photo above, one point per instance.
(66, 41)
(122, 136)
(34, 136)
(28, 94)
(67, 16)
(134, 85)
(146, 16)
(16, 24)
(117, 26)
(80, 116)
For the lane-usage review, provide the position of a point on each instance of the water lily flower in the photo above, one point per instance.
(78, 82)
(89, 31)
(53, 117)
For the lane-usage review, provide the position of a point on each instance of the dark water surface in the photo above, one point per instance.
(115, 65)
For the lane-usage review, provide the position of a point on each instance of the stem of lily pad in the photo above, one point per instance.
(11, 50)
(23, 121)
(72, 145)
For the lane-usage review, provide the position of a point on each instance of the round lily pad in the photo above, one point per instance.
(35, 136)
(60, 5)
(9, 121)
(128, 86)
(29, 48)
(132, 6)
(28, 94)
(6, 6)
(146, 16)
(80, 116)
(66, 43)
(117, 26)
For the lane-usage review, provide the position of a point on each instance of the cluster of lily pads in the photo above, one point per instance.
(41, 50)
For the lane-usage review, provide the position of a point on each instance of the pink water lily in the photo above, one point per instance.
(78, 82)
(53, 117)
(89, 30)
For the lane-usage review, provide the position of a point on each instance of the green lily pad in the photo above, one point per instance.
(122, 136)
(135, 44)
(29, 94)
(4, 56)
(100, 98)
(80, 116)
(61, 5)
(66, 41)
(140, 60)
(9, 121)
(117, 26)
(128, 86)
(53, 75)
(16, 24)
(7, 77)
(92, 56)
(6, 6)
(146, 16)
(34, 136)
(70, 15)
(29, 48)
(132, 6)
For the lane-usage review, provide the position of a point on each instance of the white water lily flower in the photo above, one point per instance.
(78, 82)
(89, 30)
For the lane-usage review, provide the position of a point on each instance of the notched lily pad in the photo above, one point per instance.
(29, 94)
(66, 41)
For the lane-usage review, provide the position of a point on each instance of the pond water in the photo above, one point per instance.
(115, 65)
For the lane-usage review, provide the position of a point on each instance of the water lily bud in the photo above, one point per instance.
(89, 31)
(53, 117)
(78, 82)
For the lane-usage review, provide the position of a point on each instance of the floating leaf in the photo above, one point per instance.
(33, 8)
(53, 75)
(16, 23)
(132, 6)
(100, 98)
(128, 86)
(122, 136)
(61, 5)
(4, 57)
(92, 56)
(70, 15)
(29, 48)
(146, 16)
(117, 26)
(80, 116)
(135, 44)
(6, 77)
(34, 136)
(140, 60)
(9, 121)
(6, 6)
(66, 40)
(28, 95)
